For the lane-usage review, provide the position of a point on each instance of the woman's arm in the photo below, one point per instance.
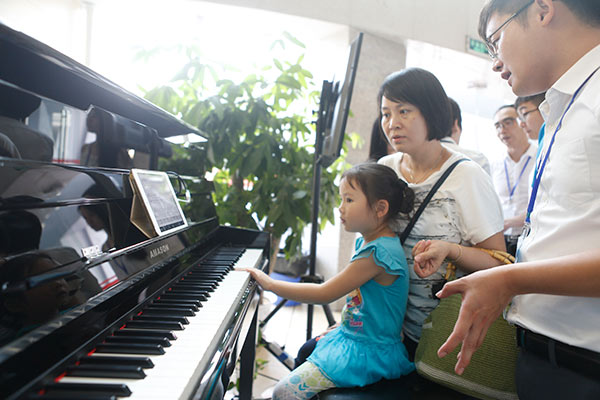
(429, 255)
(357, 273)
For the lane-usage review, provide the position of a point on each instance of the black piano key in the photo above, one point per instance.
(199, 281)
(182, 296)
(146, 332)
(213, 268)
(83, 390)
(70, 396)
(130, 348)
(162, 318)
(200, 295)
(173, 326)
(164, 342)
(209, 284)
(216, 263)
(195, 285)
(180, 311)
(189, 289)
(106, 371)
(222, 258)
(208, 276)
(209, 273)
(143, 362)
(189, 303)
(197, 275)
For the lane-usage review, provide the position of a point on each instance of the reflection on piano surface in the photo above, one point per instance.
(89, 306)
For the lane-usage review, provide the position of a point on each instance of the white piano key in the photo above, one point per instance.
(176, 372)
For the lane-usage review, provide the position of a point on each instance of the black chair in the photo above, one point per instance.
(412, 387)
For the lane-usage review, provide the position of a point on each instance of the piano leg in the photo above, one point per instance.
(247, 356)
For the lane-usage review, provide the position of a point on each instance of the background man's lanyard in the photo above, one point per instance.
(511, 191)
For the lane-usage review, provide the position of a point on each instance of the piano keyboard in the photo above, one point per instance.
(162, 352)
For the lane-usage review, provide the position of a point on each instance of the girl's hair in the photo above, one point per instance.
(423, 90)
(379, 182)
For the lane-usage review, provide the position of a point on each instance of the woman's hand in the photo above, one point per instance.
(264, 280)
(429, 256)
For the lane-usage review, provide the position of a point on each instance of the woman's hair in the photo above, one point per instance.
(423, 90)
(379, 182)
(379, 145)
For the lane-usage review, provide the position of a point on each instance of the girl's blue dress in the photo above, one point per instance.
(367, 346)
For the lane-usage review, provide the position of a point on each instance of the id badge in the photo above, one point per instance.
(524, 234)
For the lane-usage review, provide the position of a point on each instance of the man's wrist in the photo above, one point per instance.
(509, 277)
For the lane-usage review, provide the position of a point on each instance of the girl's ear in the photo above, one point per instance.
(381, 208)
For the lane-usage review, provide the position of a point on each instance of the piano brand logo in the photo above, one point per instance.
(159, 250)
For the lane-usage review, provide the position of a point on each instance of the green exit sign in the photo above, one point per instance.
(476, 46)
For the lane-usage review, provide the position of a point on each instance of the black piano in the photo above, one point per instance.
(90, 307)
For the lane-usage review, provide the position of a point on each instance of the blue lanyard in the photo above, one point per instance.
(511, 191)
(542, 163)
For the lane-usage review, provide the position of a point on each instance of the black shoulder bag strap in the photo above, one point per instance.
(434, 189)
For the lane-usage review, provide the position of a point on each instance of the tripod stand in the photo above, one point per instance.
(328, 98)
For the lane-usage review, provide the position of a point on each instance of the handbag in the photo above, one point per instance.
(491, 372)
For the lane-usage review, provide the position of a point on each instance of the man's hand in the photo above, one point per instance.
(485, 294)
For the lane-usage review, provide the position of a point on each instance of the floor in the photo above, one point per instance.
(287, 328)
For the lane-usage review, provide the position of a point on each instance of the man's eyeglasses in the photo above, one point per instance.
(505, 123)
(492, 47)
(523, 115)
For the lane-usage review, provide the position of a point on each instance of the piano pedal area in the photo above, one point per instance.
(154, 353)
(286, 329)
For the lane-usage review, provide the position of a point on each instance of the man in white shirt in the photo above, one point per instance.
(512, 174)
(555, 286)
(451, 141)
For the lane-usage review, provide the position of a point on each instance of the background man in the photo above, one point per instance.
(451, 141)
(512, 174)
(530, 117)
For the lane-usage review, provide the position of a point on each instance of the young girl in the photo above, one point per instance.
(367, 346)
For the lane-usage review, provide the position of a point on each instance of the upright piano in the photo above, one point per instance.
(90, 307)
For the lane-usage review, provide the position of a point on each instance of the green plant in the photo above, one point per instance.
(260, 143)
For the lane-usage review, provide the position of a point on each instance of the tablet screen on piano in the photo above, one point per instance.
(159, 200)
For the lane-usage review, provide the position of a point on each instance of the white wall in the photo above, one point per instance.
(441, 22)
(61, 24)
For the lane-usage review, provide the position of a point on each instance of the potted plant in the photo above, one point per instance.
(260, 144)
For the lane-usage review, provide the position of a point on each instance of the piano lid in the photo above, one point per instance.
(38, 68)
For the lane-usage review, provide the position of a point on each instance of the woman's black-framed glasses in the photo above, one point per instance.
(492, 47)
